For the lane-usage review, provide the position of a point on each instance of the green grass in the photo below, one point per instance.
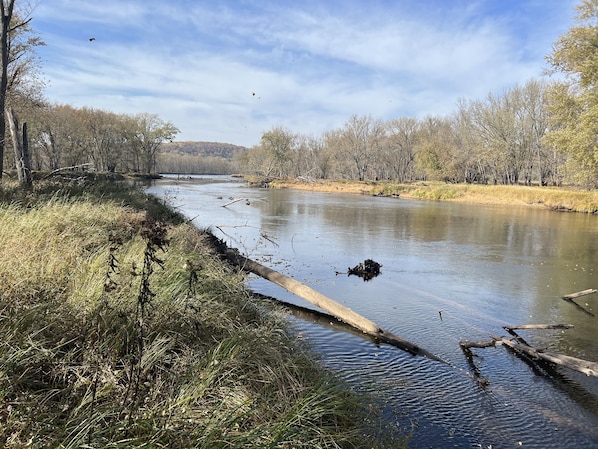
(120, 328)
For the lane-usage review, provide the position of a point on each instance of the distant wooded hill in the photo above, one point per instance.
(213, 158)
(216, 149)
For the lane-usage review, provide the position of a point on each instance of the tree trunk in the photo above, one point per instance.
(26, 157)
(6, 13)
(21, 148)
(16, 143)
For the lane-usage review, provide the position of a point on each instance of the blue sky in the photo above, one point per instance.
(311, 64)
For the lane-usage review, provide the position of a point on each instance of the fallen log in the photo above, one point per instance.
(581, 293)
(571, 296)
(341, 312)
(234, 200)
(583, 366)
(533, 355)
(583, 309)
(73, 167)
(539, 326)
(466, 344)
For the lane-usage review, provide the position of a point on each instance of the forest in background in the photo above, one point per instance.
(501, 139)
(541, 132)
(201, 158)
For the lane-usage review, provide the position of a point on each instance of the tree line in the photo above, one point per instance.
(500, 139)
(64, 136)
(201, 158)
(46, 136)
(541, 132)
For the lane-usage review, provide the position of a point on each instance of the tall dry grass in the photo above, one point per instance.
(120, 328)
(555, 198)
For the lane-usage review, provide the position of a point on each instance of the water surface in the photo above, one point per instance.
(450, 272)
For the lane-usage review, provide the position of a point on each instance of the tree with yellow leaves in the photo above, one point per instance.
(573, 102)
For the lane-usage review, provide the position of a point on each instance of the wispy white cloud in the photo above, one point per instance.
(311, 65)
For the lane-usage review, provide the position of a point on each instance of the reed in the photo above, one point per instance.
(122, 329)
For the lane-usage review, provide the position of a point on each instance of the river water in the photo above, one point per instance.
(450, 272)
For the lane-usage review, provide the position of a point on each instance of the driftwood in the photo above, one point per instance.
(583, 366)
(521, 346)
(581, 293)
(235, 200)
(341, 312)
(466, 344)
(539, 326)
(571, 296)
(73, 167)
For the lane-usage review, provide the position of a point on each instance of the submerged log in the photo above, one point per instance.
(235, 200)
(539, 326)
(581, 293)
(583, 366)
(569, 298)
(466, 344)
(535, 355)
(341, 312)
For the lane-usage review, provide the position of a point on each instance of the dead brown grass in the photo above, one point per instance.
(554, 198)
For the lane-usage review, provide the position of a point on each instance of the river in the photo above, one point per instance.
(450, 272)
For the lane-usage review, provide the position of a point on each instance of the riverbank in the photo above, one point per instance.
(555, 198)
(122, 328)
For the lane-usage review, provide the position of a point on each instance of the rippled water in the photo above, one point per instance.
(450, 272)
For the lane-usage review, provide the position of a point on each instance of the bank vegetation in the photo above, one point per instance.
(122, 328)
(563, 199)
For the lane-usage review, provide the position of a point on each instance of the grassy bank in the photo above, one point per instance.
(121, 328)
(554, 198)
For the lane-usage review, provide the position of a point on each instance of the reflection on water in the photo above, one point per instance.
(479, 268)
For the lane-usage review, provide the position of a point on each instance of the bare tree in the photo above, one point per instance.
(16, 44)
(398, 153)
(360, 140)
